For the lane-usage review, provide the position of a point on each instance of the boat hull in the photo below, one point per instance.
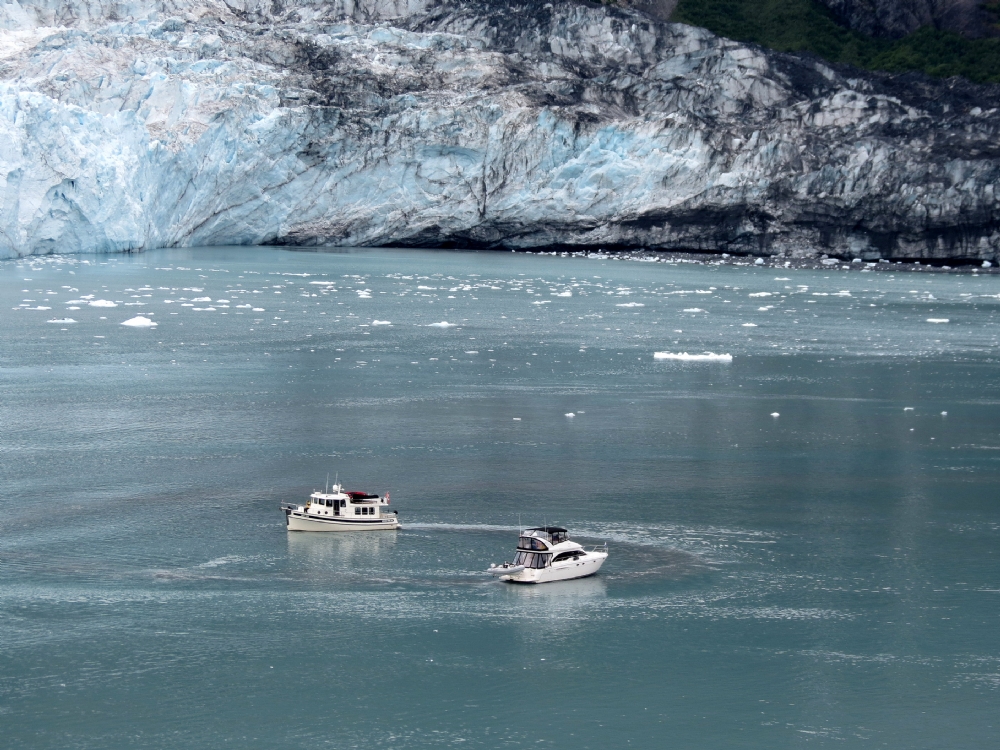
(560, 571)
(301, 522)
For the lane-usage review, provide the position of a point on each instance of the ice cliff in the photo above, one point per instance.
(140, 124)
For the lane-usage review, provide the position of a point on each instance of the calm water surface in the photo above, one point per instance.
(825, 577)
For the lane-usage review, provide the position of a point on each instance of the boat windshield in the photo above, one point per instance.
(530, 542)
(532, 559)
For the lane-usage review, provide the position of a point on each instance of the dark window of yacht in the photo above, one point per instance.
(566, 556)
(357, 511)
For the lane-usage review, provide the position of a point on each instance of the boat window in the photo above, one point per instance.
(566, 555)
(540, 561)
(357, 511)
(531, 543)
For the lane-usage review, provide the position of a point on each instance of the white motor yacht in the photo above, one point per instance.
(546, 554)
(338, 510)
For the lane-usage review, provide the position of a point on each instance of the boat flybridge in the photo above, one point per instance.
(337, 510)
(546, 554)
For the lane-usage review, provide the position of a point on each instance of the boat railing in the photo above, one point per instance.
(599, 547)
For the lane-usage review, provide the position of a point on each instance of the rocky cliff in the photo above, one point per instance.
(141, 124)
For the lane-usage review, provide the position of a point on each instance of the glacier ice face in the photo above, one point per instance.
(141, 124)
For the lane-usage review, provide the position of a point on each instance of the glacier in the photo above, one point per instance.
(448, 123)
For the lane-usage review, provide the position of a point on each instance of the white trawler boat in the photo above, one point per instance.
(338, 510)
(546, 554)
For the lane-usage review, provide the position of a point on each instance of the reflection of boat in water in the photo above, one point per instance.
(337, 510)
(546, 554)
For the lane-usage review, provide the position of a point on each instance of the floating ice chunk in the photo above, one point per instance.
(759, 262)
(202, 299)
(427, 288)
(243, 307)
(907, 408)
(570, 414)
(630, 304)
(61, 320)
(829, 261)
(693, 309)
(381, 323)
(39, 307)
(472, 352)
(542, 302)
(937, 320)
(221, 301)
(775, 414)
(749, 325)
(944, 414)
(987, 264)
(102, 303)
(685, 357)
(364, 294)
(139, 321)
(781, 278)
(567, 293)
(323, 283)
(517, 419)
(765, 308)
(442, 324)
(759, 294)
(258, 309)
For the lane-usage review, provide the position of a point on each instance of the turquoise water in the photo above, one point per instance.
(826, 577)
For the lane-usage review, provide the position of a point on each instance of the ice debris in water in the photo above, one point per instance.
(61, 320)
(987, 264)
(907, 408)
(442, 324)
(570, 414)
(630, 304)
(685, 357)
(381, 323)
(937, 320)
(944, 414)
(693, 309)
(775, 414)
(102, 303)
(139, 321)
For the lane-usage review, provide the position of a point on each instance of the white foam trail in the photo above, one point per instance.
(139, 321)
(685, 357)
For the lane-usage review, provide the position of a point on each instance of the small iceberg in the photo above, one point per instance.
(775, 414)
(381, 323)
(102, 303)
(937, 320)
(749, 325)
(685, 357)
(570, 414)
(693, 309)
(442, 324)
(139, 321)
(62, 321)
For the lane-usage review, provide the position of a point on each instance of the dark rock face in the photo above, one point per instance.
(897, 18)
(477, 123)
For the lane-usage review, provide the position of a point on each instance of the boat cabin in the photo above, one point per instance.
(535, 547)
(340, 503)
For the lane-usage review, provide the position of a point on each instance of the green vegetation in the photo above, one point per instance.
(807, 26)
